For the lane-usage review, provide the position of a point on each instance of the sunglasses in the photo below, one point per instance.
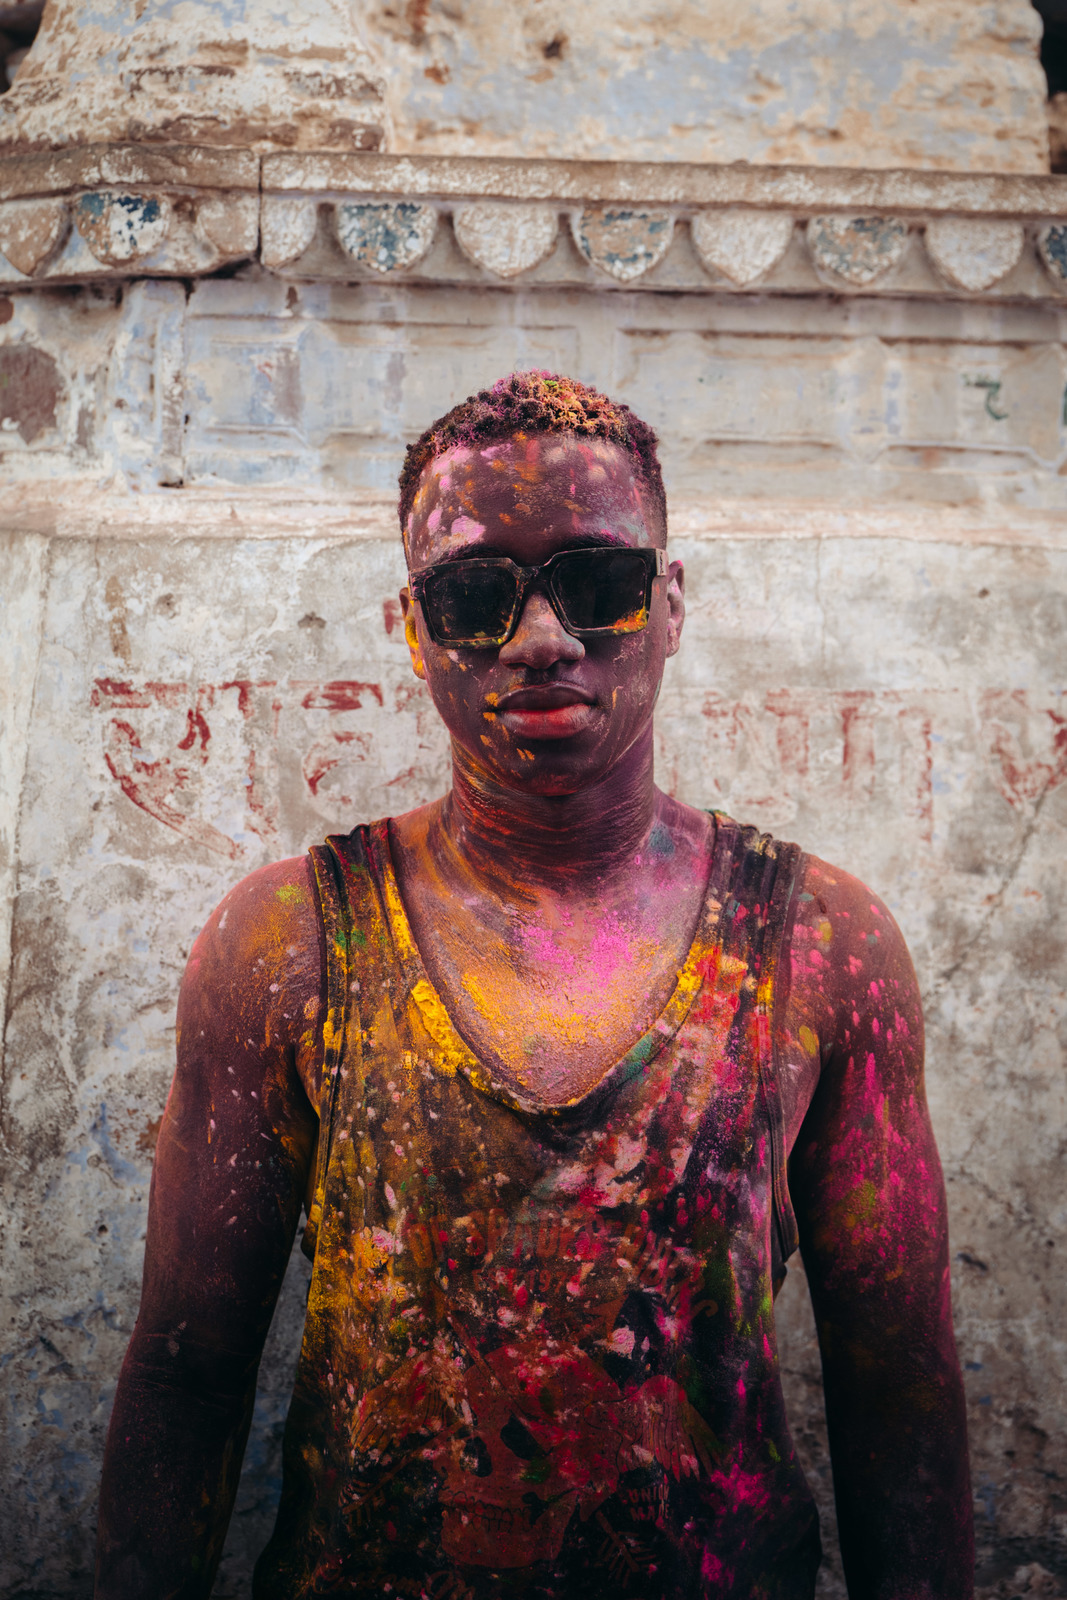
(476, 604)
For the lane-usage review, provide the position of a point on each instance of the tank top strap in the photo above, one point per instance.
(756, 878)
(333, 865)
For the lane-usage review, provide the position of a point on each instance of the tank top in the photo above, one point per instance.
(539, 1357)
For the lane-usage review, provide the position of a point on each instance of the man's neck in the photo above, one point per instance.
(552, 843)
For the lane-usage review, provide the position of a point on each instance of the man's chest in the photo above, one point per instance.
(551, 998)
(554, 1030)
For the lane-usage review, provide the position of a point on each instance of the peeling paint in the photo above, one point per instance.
(621, 242)
(386, 237)
(121, 227)
(858, 249)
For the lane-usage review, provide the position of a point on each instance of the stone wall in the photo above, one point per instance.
(951, 84)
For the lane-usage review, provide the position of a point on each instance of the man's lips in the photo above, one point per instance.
(546, 710)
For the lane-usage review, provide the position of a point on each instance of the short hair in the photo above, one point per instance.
(535, 402)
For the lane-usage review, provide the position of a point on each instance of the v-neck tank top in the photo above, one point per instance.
(539, 1358)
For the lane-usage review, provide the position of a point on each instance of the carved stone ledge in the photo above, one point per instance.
(805, 190)
(203, 205)
(116, 231)
(65, 172)
(93, 214)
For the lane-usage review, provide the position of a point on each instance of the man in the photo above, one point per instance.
(535, 1057)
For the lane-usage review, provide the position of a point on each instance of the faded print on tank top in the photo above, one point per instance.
(539, 1357)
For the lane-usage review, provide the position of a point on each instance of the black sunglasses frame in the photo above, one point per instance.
(654, 561)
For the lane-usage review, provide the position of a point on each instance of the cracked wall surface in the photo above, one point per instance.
(950, 84)
(201, 705)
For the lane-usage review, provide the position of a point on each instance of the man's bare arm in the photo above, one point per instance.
(231, 1167)
(867, 1186)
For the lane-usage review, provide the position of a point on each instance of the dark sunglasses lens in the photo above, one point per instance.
(603, 589)
(470, 600)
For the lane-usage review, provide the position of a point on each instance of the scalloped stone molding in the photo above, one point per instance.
(505, 239)
(286, 229)
(122, 228)
(623, 243)
(858, 249)
(31, 232)
(231, 225)
(742, 245)
(183, 212)
(386, 236)
(974, 253)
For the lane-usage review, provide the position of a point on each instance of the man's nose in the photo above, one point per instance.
(540, 640)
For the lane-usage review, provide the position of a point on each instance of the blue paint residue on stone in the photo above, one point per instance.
(858, 249)
(386, 236)
(1055, 250)
(93, 206)
(622, 241)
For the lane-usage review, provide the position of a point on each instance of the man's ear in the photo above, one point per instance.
(675, 606)
(411, 633)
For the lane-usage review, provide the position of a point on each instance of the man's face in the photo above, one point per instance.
(545, 712)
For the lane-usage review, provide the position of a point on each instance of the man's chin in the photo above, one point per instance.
(546, 767)
(552, 771)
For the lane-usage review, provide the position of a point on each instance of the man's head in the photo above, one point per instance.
(545, 675)
(531, 403)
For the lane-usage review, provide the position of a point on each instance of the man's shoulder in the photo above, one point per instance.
(839, 904)
(268, 900)
(846, 951)
(264, 931)
(827, 902)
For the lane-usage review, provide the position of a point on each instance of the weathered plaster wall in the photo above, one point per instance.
(245, 75)
(204, 704)
(952, 84)
(869, 497)
(251, 381)
(949, 83)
